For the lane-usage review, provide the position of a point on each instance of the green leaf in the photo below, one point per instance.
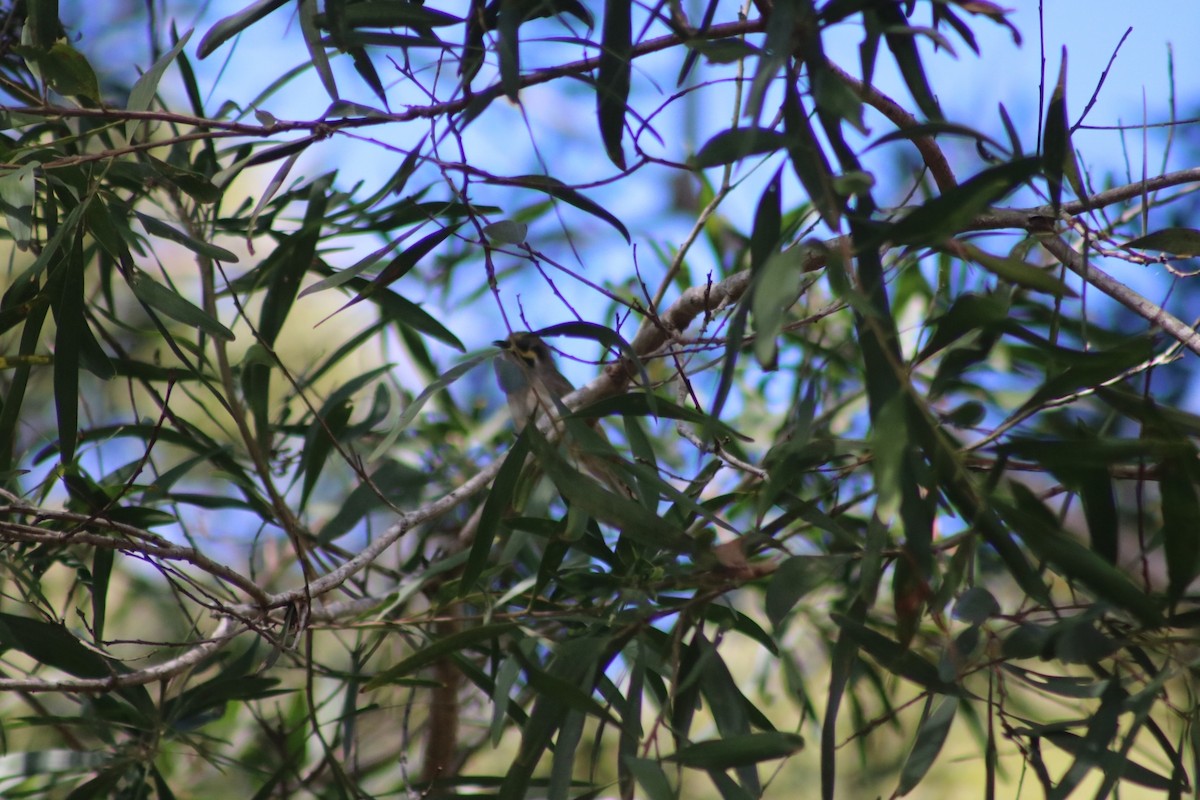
(628, 516)
(900, 39)
(976, 606)
(809, 160)
(506, 231)
(1056, 140)
(161, 229)
(894, 657)
(438, 648)
(1177, 241)
(949, 213)
(328, 427)
(934, 128)
(723, 51)
(234, 24)
(798, 576)
(444, 381)
(498, 503)
(316, 49)
(143, 91)
(606, 337)
(557, 189)
(402, 264)
(175, 306)
(395, 14)
(612, 77)
(508, 49)
(641, 404)
(650, 776)
(776, 289)
(1011, 269)
(68, 72)
(17, 192)
(71, 330)
(52, 645)
(1181, 524)
(733, 145)
(1080, 563)
(931, 735)
(738, 750)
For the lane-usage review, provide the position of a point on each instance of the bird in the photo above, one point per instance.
(526, 373)
(533, 386)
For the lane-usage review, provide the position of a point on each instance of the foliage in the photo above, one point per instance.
(267, 534)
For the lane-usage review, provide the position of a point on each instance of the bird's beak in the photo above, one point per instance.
(502, 344)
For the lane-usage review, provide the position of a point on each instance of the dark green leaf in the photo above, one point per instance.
(143, 91)
(1013, 270)
(733, 145)
(976, 606)
(175, 306)
(395, 14)
(402, 264)
(68, 72)
(442, 646)
(557, 189)
(933, 129)
(931, 735)
(161, 229)
(1181, 524)
(809, 160)
(1177, 241)
(797, 577)
(612, 77)
(943, 216)
(739, 750)
(1056, 141)
(234, 24)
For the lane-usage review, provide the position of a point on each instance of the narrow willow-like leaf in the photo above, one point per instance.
(1176, 241)
(1056, 140)
(735, 751)
(935, 128)
(1075, 560)
(931, 735)
(498, 503)
(161, 229)
(234, 24)
(1010, 269)
(947, 214)
(733, 145)
(1181, 524)
(176, 306)
(316, 50)
(612, 77)
(439, 647)
(557, 189)
(143, 91)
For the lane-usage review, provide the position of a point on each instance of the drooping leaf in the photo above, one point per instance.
(1056, 141)
(943, 216)
(161, 229)
(175, 306)
(234, 24)
(931, 735)
(735, 144)
(559, 190)
(143, 91)
(1176, 241)
(612, 77)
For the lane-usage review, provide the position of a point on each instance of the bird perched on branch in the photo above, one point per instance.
(533, 386)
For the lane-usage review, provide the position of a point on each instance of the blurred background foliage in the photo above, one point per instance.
(904, 400)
